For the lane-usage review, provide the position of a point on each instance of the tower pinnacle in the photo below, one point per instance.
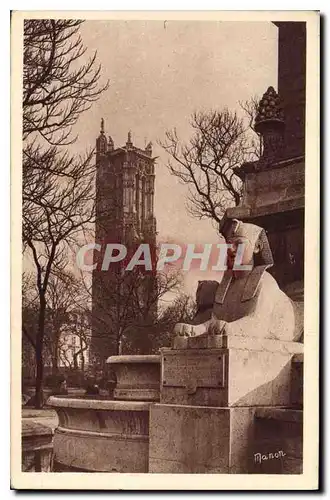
(101, 141)
(129, 138)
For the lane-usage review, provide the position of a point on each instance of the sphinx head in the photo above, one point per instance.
(249, 239)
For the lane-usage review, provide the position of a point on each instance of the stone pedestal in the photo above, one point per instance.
(138, 377)
(191, 439)
(208, 440)
(277, 441)
(37, 447)
(274, 198)
(211, 390)
(272, 190)
(228, 372)
(101, 436)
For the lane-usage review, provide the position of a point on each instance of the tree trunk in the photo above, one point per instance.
(55, 359)
(75, 360)
(119, 346)
(82, 356)
(82, 362)
(39, 353)
(237, 199)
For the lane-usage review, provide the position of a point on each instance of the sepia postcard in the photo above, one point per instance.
(165, 250)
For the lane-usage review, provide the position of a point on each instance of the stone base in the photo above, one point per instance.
(237, 342)
(101, 436)
(248, 372)
(138, 377)
(278, 189)
(37, 447)
(100, 452)
(204, 440)
(277, 441)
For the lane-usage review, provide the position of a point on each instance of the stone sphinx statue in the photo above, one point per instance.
(247, 302)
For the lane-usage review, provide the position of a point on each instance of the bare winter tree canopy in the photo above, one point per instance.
(63, 315)
(250, 109)
(57, 88)
(219, 144)
(59, 84)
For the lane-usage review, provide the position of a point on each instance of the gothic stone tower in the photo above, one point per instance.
(124, 214)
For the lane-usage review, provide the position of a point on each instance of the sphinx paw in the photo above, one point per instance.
(217, 327)
(182, 329)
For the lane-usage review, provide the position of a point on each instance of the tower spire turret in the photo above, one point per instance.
(101, 141)
(148, 148)
(111, 144)
(129, 139)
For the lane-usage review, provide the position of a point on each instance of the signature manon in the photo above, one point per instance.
(258, 457)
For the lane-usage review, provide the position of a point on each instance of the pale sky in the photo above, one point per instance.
(159, 74)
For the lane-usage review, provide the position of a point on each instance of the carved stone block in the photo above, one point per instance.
(191, 439)
(244, 372)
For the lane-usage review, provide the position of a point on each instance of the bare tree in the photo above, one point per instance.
(63, 318)
(57, 86)
(82, 328)
(74, 342)
(181, 310)
(29, 324)
(58, 188)
(51, 222)
(250, 108)
(62, 296)
(206, 163)
(126, 314)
